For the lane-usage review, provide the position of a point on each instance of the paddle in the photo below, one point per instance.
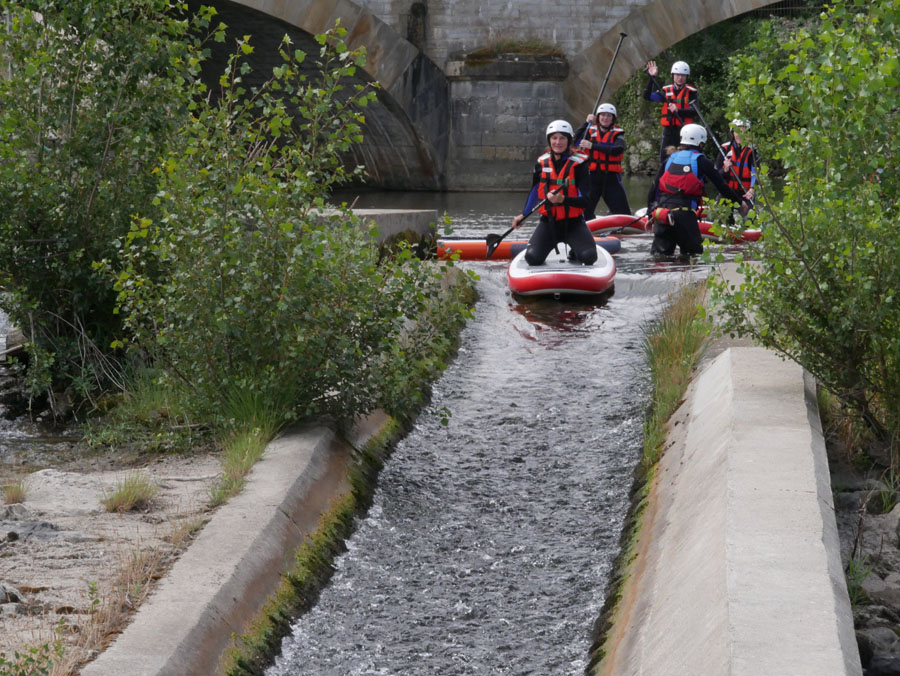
(493, 241)
(622, 36)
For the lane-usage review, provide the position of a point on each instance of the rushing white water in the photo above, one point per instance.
(490, 541)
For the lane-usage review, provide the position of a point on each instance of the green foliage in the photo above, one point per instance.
(32, 661)
(150, 414)
(858, 569)
(90, 92)
(242, 286)
(825, 291)
(673, 347)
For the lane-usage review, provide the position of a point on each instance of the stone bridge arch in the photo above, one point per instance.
(435, 127)
(407, 130)
(651, 28)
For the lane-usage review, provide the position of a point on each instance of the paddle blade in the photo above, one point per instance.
(493, 242)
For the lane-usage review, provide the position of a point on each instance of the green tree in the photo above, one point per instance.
(90, 94)
(243, 287)
(825, 290)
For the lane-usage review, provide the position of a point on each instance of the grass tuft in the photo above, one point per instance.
(135, 491)
(14, 492)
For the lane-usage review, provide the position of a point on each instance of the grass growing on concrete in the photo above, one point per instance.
(673, 346)
(112, 602)
(532, 46)
(252, 651)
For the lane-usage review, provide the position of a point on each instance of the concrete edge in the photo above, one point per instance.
(736, 565)
(223, 579)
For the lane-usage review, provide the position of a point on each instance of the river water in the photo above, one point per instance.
(490, 541)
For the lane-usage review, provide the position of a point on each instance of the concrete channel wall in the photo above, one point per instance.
(736, 570)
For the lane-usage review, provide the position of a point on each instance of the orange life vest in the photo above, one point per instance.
(682, 100)
(605, 161)
(565, 179)
(742, 163)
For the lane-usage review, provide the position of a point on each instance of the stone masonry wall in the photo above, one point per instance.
(467, 25)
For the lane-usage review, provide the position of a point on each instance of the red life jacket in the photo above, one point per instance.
(680, 183)
(682, 100)
(742, 164)
(551, 180)
(599, 159)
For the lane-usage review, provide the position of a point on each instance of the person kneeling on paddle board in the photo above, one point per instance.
(561, 178)
(677, 192)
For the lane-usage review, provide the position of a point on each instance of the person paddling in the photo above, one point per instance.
(676, 98)
(561, 177)
(742, 159)
(678, 190)
(604, 142)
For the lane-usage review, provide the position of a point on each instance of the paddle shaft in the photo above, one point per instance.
(622, 36)
(494, 240)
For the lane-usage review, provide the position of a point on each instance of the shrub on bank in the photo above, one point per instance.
(825, 290)
(242, 287)
(90, 94)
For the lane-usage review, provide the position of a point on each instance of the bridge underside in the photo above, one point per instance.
(394, 155)
(431, 132)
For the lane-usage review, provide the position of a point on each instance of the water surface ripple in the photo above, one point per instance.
(489, 544)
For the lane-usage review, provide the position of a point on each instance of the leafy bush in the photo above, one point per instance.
(825, 291)
(242, 286)
(90, 93)
(32, 661)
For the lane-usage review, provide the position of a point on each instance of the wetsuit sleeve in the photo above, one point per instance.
(581, 131)
(706, 168)
(532, 201)
(651, 93)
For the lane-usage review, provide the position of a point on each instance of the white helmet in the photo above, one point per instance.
(681, 68)
(737, 122)
(561, 127)
(693, 135)
(607, 108)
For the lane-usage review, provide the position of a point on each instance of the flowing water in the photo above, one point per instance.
(490, 541)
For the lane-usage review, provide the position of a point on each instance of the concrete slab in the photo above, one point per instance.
(738, 570)
(225, 576)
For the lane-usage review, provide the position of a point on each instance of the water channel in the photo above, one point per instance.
(490, 541)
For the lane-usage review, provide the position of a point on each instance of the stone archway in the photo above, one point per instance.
(406, 131)
(650, 28)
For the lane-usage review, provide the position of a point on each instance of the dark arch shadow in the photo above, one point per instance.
(393, 152)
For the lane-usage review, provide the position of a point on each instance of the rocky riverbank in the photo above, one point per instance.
(868, 518)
